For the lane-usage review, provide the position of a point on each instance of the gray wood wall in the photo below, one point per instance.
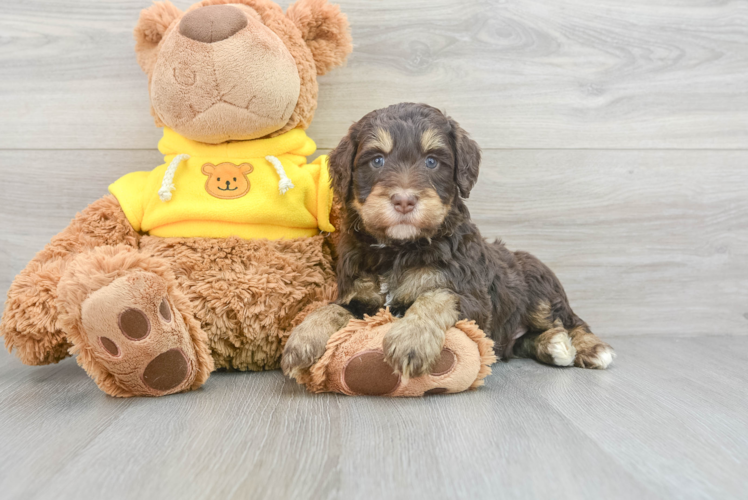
(615, 133)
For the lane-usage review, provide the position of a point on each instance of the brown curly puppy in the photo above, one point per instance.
(407, 242)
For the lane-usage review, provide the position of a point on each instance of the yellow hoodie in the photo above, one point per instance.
(252, 189)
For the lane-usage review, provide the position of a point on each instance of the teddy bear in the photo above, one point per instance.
(209, 260)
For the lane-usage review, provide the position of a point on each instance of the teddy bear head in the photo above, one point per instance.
(238, 69)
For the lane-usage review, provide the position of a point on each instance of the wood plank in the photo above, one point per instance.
(519, 74)
(643, 429)
(645, 242)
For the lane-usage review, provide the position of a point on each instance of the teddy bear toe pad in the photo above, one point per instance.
(137, 338)
(367, 373)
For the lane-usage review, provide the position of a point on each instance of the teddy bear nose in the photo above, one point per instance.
(212, 23)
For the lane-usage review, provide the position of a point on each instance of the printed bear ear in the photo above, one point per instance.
(325, 30)
(152, 24)
(246, 168)
(208, 168)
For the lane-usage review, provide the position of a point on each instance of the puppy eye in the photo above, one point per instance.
(431, 162)
(377, 162)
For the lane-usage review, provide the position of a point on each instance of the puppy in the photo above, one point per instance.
(407, 242)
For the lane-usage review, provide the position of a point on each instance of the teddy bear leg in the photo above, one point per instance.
(30, 323)
(132, 328)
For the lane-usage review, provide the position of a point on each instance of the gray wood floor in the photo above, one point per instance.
(615, 137)
(670, 420)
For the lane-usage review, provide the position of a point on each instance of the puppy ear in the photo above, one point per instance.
(341, 165)
(467, 159)
(325, 30)
(153, 23)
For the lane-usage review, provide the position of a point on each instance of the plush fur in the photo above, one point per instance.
(407, 242)
(199, 303)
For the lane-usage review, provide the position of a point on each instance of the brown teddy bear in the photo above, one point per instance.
(209, 260)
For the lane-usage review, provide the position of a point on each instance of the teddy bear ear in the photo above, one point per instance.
(325, 30)
(152, 24)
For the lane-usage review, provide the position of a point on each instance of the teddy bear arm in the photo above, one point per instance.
(30, 320)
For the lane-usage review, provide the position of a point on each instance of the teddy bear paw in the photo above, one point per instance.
(138, 338)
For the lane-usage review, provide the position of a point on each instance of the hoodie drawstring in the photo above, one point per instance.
(167, 184)
(285, 183)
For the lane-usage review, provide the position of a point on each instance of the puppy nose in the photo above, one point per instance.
(212, 23)
(403, 203)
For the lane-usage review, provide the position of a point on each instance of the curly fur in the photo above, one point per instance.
(508, 294)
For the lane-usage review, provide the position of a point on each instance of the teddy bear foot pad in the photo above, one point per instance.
(138, 338)
(354, 362)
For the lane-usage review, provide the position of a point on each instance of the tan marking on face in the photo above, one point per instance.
(382, 140)
(431, 140)
(382, 220)
(402, 232)
(416, 282)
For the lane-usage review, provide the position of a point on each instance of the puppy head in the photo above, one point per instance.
(402, 169)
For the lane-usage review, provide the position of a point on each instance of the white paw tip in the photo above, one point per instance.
(561, 350)
(605, 357)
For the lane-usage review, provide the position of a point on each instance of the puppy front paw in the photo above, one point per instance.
(302, 350)
(308, 341)
(413, 347)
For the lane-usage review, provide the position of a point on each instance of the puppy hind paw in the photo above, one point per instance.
(599, 357)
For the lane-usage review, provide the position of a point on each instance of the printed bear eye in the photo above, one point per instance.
(219, 179)
(234, 179)
(377, 162)
(431, 162)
